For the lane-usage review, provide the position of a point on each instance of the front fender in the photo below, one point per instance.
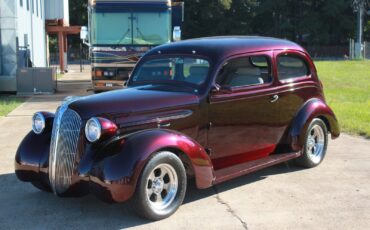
(314, 108)
(137, 148)
(32, 157)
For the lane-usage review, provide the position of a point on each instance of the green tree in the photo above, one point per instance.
(218, 17)
(204, 18)
(306, 21)
(78, 12)
(367, 31)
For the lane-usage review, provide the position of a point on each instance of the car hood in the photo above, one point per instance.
(126, 102)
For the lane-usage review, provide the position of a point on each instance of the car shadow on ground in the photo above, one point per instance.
(194, 194)
(24, 207)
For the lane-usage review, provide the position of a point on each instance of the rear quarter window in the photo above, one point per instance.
(291, 67)
(245, 71)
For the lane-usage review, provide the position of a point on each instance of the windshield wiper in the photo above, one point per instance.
(139, 33)
(123, 36)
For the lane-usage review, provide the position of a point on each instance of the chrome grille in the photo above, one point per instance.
(63, 148)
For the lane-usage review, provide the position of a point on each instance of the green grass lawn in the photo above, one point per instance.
(8, 103)
(347, 91)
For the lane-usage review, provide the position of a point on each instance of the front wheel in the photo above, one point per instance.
(161, 188)
(316, 141)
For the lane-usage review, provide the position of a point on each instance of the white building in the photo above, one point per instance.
(22, 20)
(57, 9)
(22, 27)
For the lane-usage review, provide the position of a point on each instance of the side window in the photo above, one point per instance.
(291, 66)
(179, 69)
(245, 71)
(195, 70)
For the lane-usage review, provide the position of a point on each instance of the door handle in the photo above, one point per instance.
(274, 98)
(166, 125)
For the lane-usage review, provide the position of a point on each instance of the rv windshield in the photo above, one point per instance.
(130, 28)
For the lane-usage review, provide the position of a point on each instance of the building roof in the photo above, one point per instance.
(93, 2)
(225, 46)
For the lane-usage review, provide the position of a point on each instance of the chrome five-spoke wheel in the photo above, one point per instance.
(161, 187)
(315, 143)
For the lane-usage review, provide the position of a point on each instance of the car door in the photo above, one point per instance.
(297, 83)
(244, 112)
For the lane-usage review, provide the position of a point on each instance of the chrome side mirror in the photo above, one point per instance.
(176, 33)
(84, 34)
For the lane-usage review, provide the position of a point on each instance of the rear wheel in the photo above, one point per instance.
(316, 141)
(161, 188)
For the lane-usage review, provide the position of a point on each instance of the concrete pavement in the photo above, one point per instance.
(335, 195)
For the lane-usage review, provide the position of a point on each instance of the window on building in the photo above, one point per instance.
(25, 40)
(21, 3)
(245, 71)
(33, 6)
(37, 7)
(41, 9)
(28, 4)
(291, 66)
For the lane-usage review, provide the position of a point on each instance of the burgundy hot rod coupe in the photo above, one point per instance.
(209, 108)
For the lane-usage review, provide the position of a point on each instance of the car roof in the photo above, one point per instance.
(225, 46)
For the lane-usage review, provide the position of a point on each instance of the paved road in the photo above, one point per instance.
(335, 195)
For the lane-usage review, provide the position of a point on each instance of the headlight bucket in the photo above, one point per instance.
(38, 123)
(98, 128)
(42, 122)
(93, 130)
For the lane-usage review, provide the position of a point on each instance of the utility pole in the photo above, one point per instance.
(359, 7)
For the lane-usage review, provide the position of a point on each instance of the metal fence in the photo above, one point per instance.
(74, 56)
(328, 52)
(367, 50)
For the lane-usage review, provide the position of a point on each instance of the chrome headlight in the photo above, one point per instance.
(38, 123)
(93, 130)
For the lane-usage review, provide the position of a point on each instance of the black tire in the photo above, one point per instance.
(41, 186)
(163, 164)
(313, 157)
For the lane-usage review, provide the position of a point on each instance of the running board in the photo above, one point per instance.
(225, 174)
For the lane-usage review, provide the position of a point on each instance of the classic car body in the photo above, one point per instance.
(218, 131)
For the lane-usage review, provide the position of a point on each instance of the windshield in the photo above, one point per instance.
(172, 70)
(130, 28)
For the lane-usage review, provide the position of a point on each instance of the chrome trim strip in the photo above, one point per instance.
(113, 65)
(55, 141)
(159, 119)
(54, 145)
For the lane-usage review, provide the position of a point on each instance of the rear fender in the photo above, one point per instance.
(314, 108)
